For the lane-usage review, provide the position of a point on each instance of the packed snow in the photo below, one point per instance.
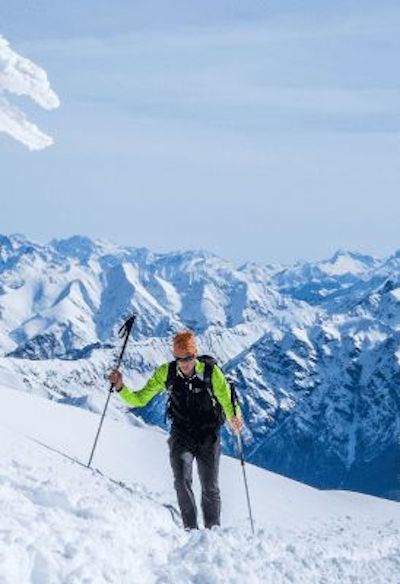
(117, 523)
(20, 76)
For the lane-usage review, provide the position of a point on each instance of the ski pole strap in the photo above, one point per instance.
(126, 328)
(234, 398)
(124, 333)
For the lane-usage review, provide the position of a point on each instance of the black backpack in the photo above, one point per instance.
(218, 416)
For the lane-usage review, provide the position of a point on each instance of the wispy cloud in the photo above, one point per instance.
(283, 72)
(20, 76)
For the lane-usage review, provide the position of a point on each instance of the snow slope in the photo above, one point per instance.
(63, 523)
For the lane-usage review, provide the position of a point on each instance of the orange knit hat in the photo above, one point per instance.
(185, 341)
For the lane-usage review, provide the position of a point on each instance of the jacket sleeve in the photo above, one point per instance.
(222, 392)
(154, 386)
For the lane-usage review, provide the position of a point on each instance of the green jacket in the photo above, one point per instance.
(156, 385)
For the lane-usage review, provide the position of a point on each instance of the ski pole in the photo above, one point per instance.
(124, 333)
(246, 486)
(234, 400)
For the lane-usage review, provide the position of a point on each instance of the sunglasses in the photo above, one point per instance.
(185, 359)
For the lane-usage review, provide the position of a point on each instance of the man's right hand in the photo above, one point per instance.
(115, 379)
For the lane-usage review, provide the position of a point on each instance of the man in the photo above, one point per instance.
(197, 412)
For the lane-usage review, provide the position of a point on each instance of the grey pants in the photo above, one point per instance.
(207, 454)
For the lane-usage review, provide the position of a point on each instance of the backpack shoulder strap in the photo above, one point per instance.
(171, 376)
(208, 371)
(209, 363)
(169, 385)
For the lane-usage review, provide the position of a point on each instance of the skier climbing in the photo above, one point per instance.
(199, 403)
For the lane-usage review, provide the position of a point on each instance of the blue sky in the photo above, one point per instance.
(264, 131)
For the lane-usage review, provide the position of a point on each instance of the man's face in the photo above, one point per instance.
(185, 361)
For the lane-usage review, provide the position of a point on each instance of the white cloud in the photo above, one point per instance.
(20, 76)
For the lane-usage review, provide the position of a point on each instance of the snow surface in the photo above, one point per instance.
(20, 76)
(63, 523)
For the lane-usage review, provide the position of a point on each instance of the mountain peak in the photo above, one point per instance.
(347, 262)
(80, 247)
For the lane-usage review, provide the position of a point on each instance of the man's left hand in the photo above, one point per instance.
(236, 424)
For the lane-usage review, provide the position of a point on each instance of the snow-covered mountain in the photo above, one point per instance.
(61, 522)
(314, 347)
